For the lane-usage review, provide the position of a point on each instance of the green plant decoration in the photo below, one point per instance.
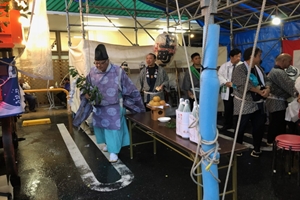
(171, 124)
(86, 87)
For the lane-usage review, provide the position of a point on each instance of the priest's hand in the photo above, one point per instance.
(87, 96)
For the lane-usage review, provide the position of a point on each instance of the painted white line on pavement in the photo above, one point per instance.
(86, 173)
(119, 165)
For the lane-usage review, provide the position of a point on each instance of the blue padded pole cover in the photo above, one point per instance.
(209, 93)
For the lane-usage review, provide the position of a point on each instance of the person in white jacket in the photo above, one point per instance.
(226, 85)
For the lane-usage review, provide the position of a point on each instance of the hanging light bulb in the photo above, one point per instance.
(276, 20)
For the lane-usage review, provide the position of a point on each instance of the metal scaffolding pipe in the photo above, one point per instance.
(208, 106)
(69, 4)
(114, 26)
(81, 19)
(135, 20)
(167, 14)
(135, 24)
(68, 21)
(200, 16)
(120, 27)
(231, 28)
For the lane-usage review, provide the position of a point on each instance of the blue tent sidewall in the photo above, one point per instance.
(269, 41)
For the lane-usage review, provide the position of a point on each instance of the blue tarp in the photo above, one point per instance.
(269, 41)
(224, 40)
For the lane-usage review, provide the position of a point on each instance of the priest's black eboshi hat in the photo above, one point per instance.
(100, 52)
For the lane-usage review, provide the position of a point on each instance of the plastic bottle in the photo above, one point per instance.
(195, 112)
(181, 104)
(185, 120)
(187, 106)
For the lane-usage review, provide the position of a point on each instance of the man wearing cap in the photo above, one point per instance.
(118, 92)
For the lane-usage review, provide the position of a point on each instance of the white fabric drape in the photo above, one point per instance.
(36, 60)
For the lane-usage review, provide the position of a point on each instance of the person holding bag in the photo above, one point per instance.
(257, 90)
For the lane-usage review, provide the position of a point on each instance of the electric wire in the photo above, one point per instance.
(89, 45)
(244, 96)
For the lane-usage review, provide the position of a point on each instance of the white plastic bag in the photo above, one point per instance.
(291, 113)
(297, 84)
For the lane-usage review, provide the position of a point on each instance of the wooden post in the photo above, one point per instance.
(9, 137)
(177, 81)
